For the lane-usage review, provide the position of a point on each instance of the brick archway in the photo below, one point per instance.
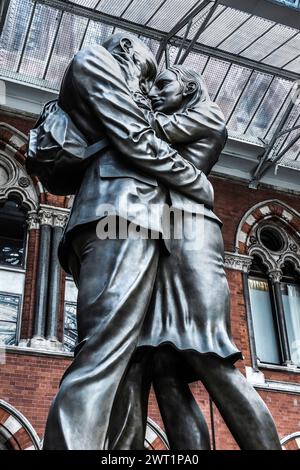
(16, 433)
(291, 442)
(263, 211)
(156, 438)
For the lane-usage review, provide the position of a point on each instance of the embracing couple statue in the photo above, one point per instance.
(151, 309)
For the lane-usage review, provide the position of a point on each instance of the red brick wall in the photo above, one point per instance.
(29, 383)
(233, 199)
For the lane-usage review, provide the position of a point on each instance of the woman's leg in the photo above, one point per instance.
(242, 409)
(184, 423)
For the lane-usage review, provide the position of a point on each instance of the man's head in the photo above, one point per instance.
(127, 48)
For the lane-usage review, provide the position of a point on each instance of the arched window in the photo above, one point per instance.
(274, 294)
(12, 262)
(263, 314)
(12, 233)
(290, 291)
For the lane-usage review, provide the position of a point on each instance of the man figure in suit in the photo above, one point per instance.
(115, 277)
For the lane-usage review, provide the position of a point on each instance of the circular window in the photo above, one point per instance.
(271, 239)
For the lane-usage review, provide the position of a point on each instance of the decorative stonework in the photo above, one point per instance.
(13, 176)
(54, 216)
(60, 219)
(275, 275)
(279, 218)
(45, 217)
(43, 344)
(237, 262)
(291, 442)
(19, 433)
(266, 210)
(32, 220)
(24, 182)
(14, 180)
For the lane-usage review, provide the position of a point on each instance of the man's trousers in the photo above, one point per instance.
(115, 280)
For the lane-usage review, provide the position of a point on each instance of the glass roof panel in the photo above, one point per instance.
(65, 47)
(294, 66)
(115, 8)
(230, 91)
(291, 121)
(214, 74)
(14, 34)
(37, 44)
(249, 102)
(96, 33)
(86, 3)
(290, 157)
(140, 11)
(268, 110)
(200, 17)
(194, 60)
(270, 41)
(229, 20)
(285, 53)
(170, 13)
(151, 43)
(246, 34)
(275, 123)
(41, 36)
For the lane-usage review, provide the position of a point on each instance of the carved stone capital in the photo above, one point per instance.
(60, 219)
(275, 275)
(238, 262)
(45, 216)
(32, 221)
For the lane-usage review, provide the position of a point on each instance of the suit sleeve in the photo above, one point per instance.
(190, 125)
(99, 82)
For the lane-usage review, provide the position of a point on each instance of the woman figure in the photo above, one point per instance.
(186, 333)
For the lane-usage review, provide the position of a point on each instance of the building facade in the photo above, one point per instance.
(38, 301)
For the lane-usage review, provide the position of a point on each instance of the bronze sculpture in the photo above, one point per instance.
(115, 278)
(110, 274)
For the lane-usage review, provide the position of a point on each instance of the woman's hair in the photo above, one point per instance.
(185, 75)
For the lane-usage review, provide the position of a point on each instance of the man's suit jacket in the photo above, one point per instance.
(138, 166)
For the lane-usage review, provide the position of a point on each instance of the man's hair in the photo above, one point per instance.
(113, 42)
(186, 75)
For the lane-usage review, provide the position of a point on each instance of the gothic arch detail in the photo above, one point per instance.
(16, 432)
(291, 442)
(155, 438)
(13, 176)
(264, 211)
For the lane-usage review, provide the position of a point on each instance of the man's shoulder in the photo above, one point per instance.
(95, 53)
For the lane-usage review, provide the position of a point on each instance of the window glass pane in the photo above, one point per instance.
(264, 329)
(70, 327)
(291, 303)
(9, 310)
(12, 234)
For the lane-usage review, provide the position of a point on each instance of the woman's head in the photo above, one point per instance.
(176, 89)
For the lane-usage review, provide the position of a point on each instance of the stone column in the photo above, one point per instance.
(30, 277)
(275, 276)
(59, 220)
(41, 292)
